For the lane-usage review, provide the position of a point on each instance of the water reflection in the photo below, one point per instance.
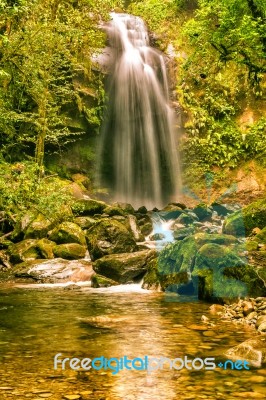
(37, 324)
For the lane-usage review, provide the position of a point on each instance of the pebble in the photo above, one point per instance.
(71, 397)
(257, 379)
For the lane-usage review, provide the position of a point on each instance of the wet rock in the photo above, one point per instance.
(135, 229)
(203, 211)
(216, 309)
(252, 350)
(71, 397)
(109, 236)
(67, 232)
(124, 268)
(186, 219)
(248, 307)
(142, 210)
(157, 236)
(251, 277)
(100, 281)
(182, 233)
(221, 209)
(171, 211)
(210, 263)
(88, 207)
(242, 222)
(56, 270)
(70, 251)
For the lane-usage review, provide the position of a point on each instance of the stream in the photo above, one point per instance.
(38, 323)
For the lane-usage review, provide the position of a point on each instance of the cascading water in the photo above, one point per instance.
(138, 159)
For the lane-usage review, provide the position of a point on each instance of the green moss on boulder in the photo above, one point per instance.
(109, 236)
(69, 251)
(68, 232)
(88, 207)
(99, 281)
(124, 268)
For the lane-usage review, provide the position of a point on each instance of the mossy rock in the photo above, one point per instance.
(45, 248)
(109, 236)
(39, 227)
(124, 268)
(186, 219)
(114, 210)
(88, 207)
(261, 236)
(100, 281)
(70, 251)
(171, 211)
(242, 222)
(68, 232)
(182, 233)
(203, 211)
(25, 250)
(180, 256)
(126, 207)
(85, 222)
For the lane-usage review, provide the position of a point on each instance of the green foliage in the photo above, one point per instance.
(21, 192)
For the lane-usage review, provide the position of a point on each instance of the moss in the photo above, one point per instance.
(109, 236)
(98, 281)
(88, 207)
(68, 232)
(69, 251)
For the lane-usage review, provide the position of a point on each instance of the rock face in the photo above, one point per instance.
(252, 350)
(68, 232)
(56, 270)
(109, 236)
(124, 268)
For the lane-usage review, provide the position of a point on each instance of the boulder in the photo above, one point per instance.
(56, 270)
(126, 207)
(70, 251)
(88, 207)
(124, 268)
(135, 229)
(45, 248)
(182, 233)
(221, 209)
(210, 263)
(85, 222)
(242, 222)
(203, 211)
(252, 350)
(38, 228)
(67, 232)
(24, 250)
(109, 236)
(171, 211)
(100, 281)
(186, 219)
(113, 210)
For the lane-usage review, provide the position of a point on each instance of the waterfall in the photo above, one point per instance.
(137, 159)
